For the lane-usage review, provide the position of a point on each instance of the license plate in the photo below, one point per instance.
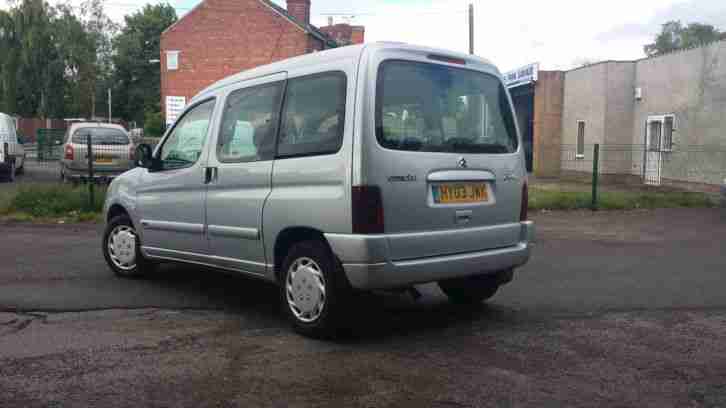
(460, 193)
(102, 160)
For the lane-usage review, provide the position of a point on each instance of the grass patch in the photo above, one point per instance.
(52, 202)
(540, 199)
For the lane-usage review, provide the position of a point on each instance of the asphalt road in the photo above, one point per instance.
(623, 309)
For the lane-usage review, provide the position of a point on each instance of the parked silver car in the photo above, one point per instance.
(378, 166)
(112, 148)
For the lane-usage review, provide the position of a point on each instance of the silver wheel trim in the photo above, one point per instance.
(305, 289)
(121, 247)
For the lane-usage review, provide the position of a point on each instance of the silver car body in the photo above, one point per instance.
(15, 150)
(110, 160)
(242, 220)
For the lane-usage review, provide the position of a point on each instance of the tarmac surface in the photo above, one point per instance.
(614, 309)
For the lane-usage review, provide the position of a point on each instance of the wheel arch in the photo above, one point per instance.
(289, 237)
(115, 210)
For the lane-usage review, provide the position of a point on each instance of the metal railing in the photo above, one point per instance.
(596, 166)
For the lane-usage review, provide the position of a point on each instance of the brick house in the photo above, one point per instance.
(219, 38)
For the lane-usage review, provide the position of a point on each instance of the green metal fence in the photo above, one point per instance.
(49, 144)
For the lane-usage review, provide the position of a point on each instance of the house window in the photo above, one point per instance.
(668, 129)
(580, 154)
(172, 60)
(660, 130)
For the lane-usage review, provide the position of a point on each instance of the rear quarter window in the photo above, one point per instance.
(105, 136)
(436, 108)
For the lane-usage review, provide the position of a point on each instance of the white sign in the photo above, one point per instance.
(174, 107)
(521, 76)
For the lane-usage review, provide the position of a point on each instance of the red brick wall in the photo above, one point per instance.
(358, 36)
(28, 127)
(221, 37)
(300, 9)
(548, 103)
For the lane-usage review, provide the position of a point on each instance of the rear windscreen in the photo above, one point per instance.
(106, 136)
(435, 108)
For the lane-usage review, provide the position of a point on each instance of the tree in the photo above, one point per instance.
(153, 124)
(9, 48)
(675, 36)
(77, 53)
(138, 82)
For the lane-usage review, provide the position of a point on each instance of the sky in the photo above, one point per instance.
(559, 34)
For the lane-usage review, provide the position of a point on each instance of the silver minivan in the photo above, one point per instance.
(367, 167)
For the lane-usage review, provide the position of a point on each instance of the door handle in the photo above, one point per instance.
(210, 175)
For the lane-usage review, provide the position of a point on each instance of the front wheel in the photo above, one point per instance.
(121, 248)
(313, 290)
(471, 289)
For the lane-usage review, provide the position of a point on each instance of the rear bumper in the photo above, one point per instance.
(100, 175)
(367, 263)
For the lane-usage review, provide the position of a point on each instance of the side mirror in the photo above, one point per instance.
(144, 156)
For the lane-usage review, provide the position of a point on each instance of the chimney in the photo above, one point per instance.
(300, 9)
(358, 35)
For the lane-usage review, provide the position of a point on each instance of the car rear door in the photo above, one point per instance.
(446, 158)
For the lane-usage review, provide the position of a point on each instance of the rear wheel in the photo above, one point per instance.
(473, 289)
(121, 248)
(313, 290)
(11, 172)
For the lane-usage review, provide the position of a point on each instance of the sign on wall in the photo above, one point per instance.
(521, 76)
(174, 107)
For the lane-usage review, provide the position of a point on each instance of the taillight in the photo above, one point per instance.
(367, 210)
(131, 152)
(525, 202)
(69, 152)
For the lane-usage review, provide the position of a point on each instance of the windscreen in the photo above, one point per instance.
(104, 136)
(435, 108)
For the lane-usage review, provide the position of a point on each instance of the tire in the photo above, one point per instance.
(11, 172)
(308, 266)
(471, 289)
(21, 169)
(121, 249)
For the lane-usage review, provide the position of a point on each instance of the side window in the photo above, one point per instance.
(580, 139)
(314, 115)
(185, 143)
(249, 124)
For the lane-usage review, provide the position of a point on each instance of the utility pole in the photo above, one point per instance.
(471, 28)
(109, 105)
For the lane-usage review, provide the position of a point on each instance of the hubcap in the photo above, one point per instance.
(122, 247)
(305, 288)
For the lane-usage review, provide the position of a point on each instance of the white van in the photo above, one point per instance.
(12, 154)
